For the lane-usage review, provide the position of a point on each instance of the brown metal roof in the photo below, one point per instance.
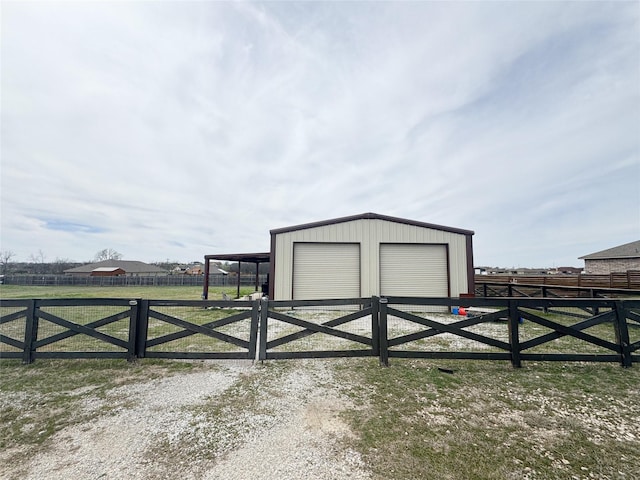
(371, 216)
(241, 257)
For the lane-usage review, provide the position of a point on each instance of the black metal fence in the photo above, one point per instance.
(509, 329)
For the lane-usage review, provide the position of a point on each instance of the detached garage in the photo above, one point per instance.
(370, 254)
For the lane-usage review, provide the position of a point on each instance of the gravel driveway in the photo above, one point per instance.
(188, 426)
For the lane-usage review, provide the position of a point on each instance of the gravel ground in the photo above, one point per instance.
(165, 429)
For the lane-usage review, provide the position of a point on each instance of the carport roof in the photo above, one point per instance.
(371, 216)
(241, 257)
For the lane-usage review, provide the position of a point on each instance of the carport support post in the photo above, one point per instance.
(238, 295)
(384, 341)
(257, 276)
(514, 334)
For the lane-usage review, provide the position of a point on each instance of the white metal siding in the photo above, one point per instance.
(413, 270)
(326, 270)
(370, 234)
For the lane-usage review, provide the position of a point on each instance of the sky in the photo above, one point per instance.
(168, 130)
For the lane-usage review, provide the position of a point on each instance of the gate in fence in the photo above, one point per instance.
(198, 329)
(511, 329)
(319, 329)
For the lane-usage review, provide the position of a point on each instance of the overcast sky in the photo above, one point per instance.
(171, 130)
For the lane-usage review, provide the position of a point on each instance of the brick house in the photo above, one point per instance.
(617, 259)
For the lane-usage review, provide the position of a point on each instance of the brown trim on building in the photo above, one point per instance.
(370, 216)
(272, 268)
(471, 276)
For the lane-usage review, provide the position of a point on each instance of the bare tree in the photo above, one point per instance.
(107, 254)
(60, 265)
(38, 260)
(5, 259)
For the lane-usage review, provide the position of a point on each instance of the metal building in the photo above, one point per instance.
(370, 254)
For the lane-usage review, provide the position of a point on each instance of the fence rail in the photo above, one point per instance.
(513, 329)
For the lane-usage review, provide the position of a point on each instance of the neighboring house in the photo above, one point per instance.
(195, 270)
(565, 270)
(617, 259)
(128, 267)
(199, 270)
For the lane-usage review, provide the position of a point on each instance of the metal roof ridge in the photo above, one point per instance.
(371, 216)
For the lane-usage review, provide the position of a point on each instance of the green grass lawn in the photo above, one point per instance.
(488, 421)
(130, 292)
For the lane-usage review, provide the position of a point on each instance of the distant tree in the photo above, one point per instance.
(5, 259)
(107, 254)
(60, 265)
(37, 260)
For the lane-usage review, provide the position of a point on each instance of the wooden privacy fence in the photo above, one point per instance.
(523, 289)
(629, 279)
(511, 329)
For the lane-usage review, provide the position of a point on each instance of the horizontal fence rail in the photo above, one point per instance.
(513, 329)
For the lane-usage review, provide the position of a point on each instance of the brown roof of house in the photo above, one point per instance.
(129, 266)
(628, 250)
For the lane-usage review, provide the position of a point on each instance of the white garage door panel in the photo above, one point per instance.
(326, 270)
(413, 270)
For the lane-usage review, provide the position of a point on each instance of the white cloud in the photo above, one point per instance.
(177, 129)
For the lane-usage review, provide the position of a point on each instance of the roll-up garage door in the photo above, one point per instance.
(413, 270)
(326, 270)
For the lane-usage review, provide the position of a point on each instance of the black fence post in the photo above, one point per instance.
(264, 316)
(622, 334)
(514, 334)
(375, 325)
(253, 334)
(383, 335)
(142, 327)
(133, 329)
(30, 333)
